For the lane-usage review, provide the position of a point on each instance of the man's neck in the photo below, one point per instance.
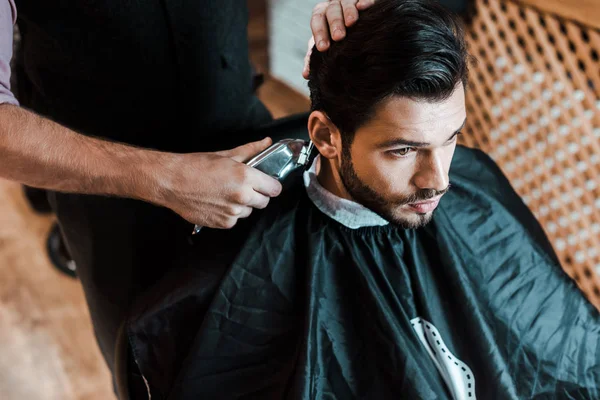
(344, 210)
(330, 179)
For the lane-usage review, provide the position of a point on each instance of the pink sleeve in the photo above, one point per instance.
(8, 16)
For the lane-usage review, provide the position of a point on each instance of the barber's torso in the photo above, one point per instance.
(173, 75)
(167, 74)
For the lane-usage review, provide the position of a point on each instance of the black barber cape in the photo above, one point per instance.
(293, 305)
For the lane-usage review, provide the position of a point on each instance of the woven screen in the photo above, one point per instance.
(534, 107)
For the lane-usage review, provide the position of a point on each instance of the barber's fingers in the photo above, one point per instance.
(248, 198)
(306, 70)
(259, 200)
(364, 4)
(247, 151)
(319, 27)
(329, 21)
(350, 11)
(245, 213)
(262, 183)
(335, 19)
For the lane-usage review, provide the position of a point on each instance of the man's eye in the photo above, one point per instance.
(402, 152)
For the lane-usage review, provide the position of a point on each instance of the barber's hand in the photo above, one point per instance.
(216, 189)
(329, 21)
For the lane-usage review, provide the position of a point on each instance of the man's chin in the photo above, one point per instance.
(410, 220)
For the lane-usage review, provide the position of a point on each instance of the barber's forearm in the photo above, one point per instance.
(41, 153)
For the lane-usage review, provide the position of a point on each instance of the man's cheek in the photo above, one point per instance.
(392, 182)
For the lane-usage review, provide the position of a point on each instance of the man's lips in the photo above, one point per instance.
(423, 207)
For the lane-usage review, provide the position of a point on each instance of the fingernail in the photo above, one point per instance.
(350, 18)
(321, 44)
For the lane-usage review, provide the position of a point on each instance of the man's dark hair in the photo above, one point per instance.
(407, 48)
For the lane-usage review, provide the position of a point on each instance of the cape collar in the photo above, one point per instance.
(348, 213)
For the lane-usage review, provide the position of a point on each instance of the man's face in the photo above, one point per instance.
(397, 165)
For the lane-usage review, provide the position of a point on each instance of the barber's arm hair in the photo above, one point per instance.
(41, 153)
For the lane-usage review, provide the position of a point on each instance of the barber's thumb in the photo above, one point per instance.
(246, 152)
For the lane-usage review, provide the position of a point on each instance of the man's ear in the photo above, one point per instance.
(324, 134)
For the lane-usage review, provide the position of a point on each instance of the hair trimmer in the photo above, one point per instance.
(280, 159)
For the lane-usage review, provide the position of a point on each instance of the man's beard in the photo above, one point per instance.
(369, 198)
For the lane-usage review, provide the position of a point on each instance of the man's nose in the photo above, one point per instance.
(431, 173)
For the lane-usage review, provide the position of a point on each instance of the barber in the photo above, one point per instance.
(117, 108)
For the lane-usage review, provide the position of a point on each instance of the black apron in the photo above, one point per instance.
(169, 75)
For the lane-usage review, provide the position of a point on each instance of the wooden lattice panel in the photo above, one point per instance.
(534, 106)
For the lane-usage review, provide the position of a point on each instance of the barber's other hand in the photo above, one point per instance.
(216, 189)
(329, 21)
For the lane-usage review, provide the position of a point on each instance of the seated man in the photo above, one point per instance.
(400, 266)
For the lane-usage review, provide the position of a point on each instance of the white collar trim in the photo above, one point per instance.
(348, 213)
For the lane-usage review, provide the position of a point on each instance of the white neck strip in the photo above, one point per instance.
(348, 213)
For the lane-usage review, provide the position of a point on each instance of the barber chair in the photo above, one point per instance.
(533, 105)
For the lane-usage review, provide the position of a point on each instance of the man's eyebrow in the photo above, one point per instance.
(410, 143)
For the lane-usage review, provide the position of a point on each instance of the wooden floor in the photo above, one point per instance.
(47, 348)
